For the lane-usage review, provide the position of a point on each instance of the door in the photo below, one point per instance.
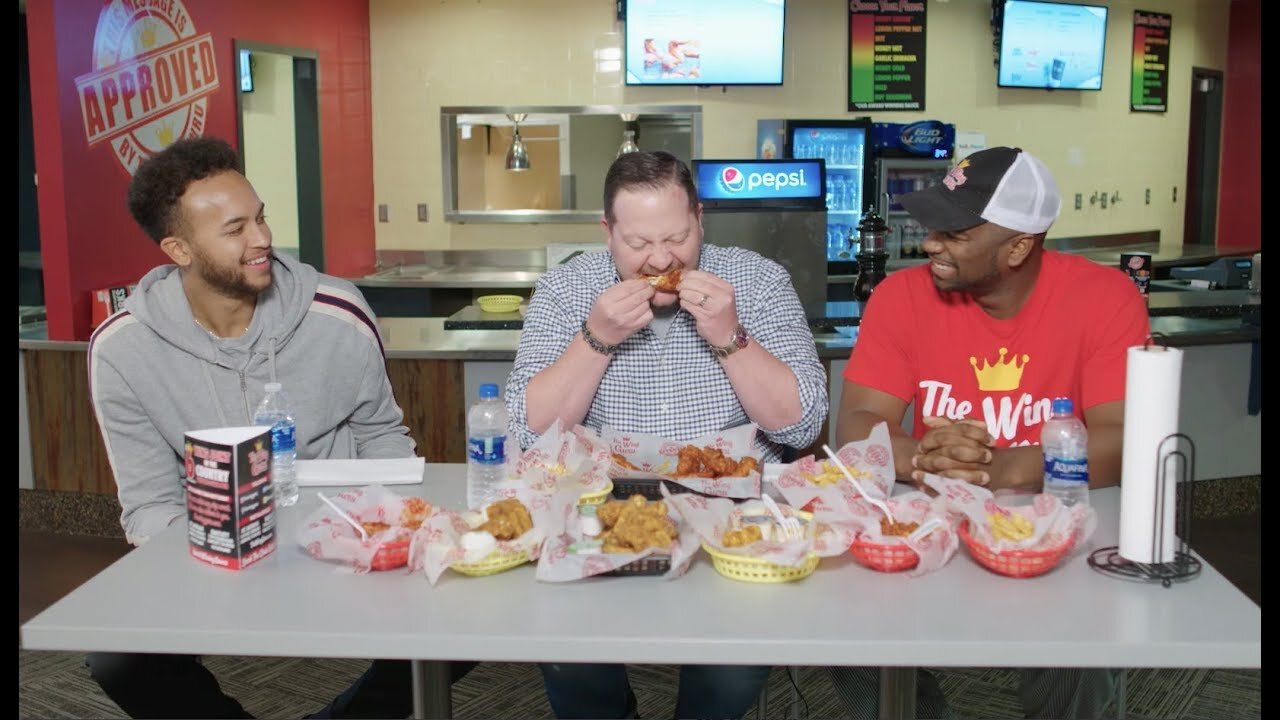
(1200, 214)
(279, 131)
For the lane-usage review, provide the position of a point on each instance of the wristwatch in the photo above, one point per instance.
(736, 343)
(595, 343)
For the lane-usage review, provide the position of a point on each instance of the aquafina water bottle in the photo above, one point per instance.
(274, 411)
(1065, 441)
(486, 447)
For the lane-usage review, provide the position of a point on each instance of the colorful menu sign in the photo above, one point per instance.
(1149, 86)
(886, 54)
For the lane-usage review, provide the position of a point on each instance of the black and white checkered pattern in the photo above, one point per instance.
(673, 387)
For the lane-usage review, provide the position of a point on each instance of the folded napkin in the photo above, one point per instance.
(382, 471)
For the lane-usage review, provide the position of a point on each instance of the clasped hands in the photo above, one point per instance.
(960, 449)
(625, 308)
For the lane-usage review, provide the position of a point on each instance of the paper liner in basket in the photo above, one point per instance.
(850, 516)
(1053, 522)
(560, 460)
(657, 458)
(326, 536)
(558, 564)
(709, 518)
(438, 543)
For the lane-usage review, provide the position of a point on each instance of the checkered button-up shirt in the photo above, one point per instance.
(673, 387)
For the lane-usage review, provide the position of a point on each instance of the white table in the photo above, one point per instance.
(158, 599)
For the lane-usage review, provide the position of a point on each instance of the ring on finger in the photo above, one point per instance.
(703, 302)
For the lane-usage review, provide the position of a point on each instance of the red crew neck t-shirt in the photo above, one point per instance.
(946, 353)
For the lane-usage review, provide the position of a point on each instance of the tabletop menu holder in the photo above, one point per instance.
(1175, 463)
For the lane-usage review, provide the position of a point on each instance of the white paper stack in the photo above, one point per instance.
(388, 471)
(1149, 474)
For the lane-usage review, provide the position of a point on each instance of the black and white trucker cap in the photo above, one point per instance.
(1006, 186)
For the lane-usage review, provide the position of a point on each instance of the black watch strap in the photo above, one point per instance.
(595, 343)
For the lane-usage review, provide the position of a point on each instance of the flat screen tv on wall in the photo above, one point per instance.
(704, 42)
(1050, 45)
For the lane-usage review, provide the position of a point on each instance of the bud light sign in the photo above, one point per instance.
(759, 181)
(926, 138)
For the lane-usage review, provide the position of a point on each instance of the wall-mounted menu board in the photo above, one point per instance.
(1149, 86)
(886, 55)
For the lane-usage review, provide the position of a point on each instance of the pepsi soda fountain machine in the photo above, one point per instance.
(777, 208)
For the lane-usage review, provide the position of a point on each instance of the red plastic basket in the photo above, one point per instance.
(391, 555)
(885, 557)
(1014, 563)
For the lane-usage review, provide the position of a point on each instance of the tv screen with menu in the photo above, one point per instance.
(1051, 45)
(704, 42)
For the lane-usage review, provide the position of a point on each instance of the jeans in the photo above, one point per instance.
(707, 692)
(179, 686)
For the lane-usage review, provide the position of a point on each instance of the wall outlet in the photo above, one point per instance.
(1079, 200)
(382, 213)
(422, 212)
(1103, 201)
(1148, 196)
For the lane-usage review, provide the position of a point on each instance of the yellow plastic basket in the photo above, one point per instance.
(598, 497)
(749, 569)
(499, 303)
(492, 564)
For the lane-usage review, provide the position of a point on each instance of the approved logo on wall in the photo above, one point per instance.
(151, 77)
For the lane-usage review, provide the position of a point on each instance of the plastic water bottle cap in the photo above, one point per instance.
(1062, 406)
(489, 390)
(272, 387)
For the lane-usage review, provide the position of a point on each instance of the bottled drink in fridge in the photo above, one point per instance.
(486, 447)
(274, 411)
(1064, 441)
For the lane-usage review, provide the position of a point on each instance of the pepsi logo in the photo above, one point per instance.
(732, 179)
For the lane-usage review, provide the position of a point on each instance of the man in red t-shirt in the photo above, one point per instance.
(985, 335)
(982, 339)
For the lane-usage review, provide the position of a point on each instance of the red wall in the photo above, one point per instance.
(1240, 183)
(87, 237)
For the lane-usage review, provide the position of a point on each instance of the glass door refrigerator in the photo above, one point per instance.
(906, 158)
(844, 145)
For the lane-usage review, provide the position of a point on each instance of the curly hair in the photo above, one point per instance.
(160, 181)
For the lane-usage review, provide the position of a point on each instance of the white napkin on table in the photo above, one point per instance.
(380, 471)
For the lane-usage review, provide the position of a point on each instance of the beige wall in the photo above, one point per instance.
(270, 156)
(540, 52)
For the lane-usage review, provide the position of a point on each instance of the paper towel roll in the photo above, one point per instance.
(1153, 384)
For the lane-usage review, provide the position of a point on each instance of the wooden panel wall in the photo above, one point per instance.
(67, 452)
(430, 393)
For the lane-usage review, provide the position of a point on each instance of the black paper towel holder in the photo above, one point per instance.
(1179, 451)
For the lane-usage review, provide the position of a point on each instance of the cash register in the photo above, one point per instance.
(1223, 273)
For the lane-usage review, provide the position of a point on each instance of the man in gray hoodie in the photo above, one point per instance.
(192, 349)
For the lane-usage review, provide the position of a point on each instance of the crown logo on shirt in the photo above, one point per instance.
(999, 376)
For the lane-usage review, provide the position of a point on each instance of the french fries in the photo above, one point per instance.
(831, 474)
(1009, 526)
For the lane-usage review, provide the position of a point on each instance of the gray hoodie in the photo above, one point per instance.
(155, 374)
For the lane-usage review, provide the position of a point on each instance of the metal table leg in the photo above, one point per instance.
(431, 690)
(897, 693)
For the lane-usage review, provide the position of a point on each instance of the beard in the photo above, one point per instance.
(985, 281)
(226, 281)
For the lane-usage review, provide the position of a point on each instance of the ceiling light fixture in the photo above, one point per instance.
(517, 155)
(628, 134)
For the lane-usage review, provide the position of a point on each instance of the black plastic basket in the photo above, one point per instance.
(651, 565)
(648, 488)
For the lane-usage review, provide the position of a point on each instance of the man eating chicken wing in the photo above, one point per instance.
(720, 339)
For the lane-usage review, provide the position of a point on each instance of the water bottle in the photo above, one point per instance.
(1065, 441)
(274, 411)
(486, 447)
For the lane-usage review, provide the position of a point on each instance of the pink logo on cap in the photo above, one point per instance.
(956, 177)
